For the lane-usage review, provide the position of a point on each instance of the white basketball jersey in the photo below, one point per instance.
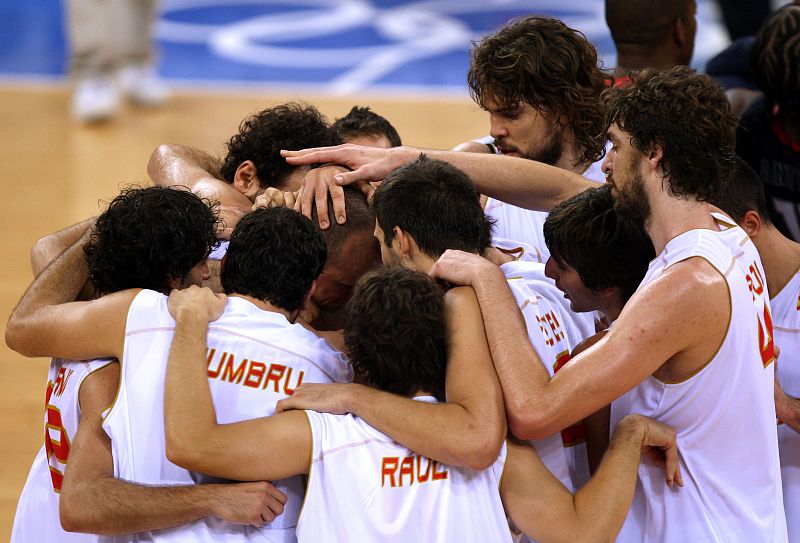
(554, 331)
(362, 486)
(525, 225)
(37, 518)
(724, 415)
(254, 359)
(786, 326)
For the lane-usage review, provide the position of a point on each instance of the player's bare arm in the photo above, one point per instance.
(467, 431)
(545, 510)
(598, 424)
(46, 322)
(267, 448)
(690, 300)
(178, 165)
(524, 183)
(47, 248)
(93, 501)
(787, 408)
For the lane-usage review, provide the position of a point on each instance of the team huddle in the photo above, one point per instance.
(580, 328)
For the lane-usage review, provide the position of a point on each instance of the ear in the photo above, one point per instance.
(406, 246)
(246, 181)
(654, 156)
(679, 33)
(751, 223)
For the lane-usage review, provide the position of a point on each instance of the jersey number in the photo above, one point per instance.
(766, 345)
(56, 441)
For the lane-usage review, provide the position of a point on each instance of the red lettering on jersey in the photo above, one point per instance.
(213, 374)
(438, 475)
(55, 447)
(286, 388)
(388, 469)
(231, 375)
(255, 374)
(61, 381)
(275, 374)
(407, 469)
(423, 477)
(765, 339)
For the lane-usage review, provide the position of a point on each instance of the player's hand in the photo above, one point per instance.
(317, 185)
(659, 444)
(461, 268)
(273, 197)
(328, 398)
(198, 302)
(248, 503)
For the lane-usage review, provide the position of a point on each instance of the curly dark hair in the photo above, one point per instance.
(436, 203)
(395, 333)
(775, 57)
(261, 137)
(149, 237)
(552, 67)
(744, 192)
(362, 121)
(687, 115)
(606, 248)
(274, 255)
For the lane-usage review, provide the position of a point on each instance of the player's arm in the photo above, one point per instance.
(268, 448)
(178, 165)
(545, 510)
(46, 322)
(524, 183)
(685, 310)
(598, 424)
(93, 501)
(47, 248)
(467, 431)
(787, 408)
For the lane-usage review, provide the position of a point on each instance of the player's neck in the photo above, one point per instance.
(263, 305)
(779, 255)
(635, 59)
(670, 217)
(569, 157)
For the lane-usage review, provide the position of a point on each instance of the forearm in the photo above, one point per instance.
(188, 408)
(173, 164)
(787, 409)
(603, 503)
(445, 432)
(46, 249)
(111, 506)
(524, 183)
(522, 375)
(597, 436)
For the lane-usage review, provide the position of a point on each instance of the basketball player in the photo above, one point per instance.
(364, 487)
(744, 200)
(180, 227)
(362, 126)
(540, 83)
(662, 170)
(257, 357)
(423, 209)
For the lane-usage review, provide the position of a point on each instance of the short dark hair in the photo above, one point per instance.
(744, 192)
(362, 121)
(149, 237)
(544, 63)
(775, 57)
(395, 334)
(644, 23)
(261, 137)
(607, 249)
(688, 116)
(275, 254)
(360, 218)
(436, 204)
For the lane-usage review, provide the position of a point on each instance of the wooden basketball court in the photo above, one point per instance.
(54, 173)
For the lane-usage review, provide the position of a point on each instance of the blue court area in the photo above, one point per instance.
(331, 46)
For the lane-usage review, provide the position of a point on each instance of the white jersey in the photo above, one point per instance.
(525, 225)
(37, 518)
(362, 486)
(724, 415)
(786, 326)
(554, 331)
(254, 359)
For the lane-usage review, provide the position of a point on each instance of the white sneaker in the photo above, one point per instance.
(95, 100)
(142, 85)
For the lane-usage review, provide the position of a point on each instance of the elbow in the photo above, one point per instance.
(71, 513)
(180, 452)
(528, 423)
(17, 338)
(484, 451)
(159, 156)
